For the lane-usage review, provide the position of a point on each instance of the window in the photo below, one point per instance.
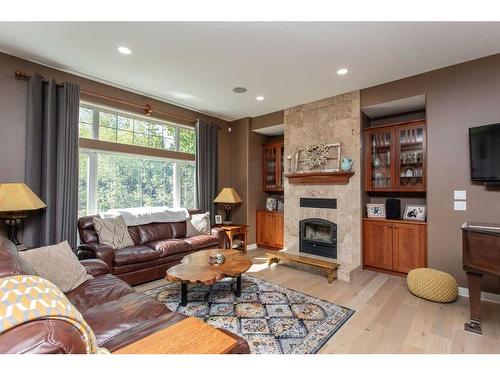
(132, 161)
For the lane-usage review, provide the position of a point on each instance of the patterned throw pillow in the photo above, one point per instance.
(113, 232)
(198, 224)
(58, 264)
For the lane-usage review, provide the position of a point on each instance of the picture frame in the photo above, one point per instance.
(271, 204)
(415, 212)
(218, 219)
(332, 160)
(376, 210)
(281, 205)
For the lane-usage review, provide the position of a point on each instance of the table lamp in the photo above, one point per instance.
(228, 197)
(15, 198)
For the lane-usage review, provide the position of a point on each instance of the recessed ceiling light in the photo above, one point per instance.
(342, 71)
(124, 50)
(260, 98)
(240, 90)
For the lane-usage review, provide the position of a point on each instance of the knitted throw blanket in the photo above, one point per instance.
(25, 298)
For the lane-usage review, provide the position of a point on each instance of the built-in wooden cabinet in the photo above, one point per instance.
(270, 229)
(395, 157)
(273, 167)
(394, 245)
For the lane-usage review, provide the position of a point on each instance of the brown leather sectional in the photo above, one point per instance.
(157, 247)
(117, 314)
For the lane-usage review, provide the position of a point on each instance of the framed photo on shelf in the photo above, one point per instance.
(375, 210)
(414, 212)
(270, 204)
(218, 219)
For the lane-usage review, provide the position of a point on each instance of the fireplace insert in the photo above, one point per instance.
(318, 237)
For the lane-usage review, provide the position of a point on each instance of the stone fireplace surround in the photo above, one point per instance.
(335, 119)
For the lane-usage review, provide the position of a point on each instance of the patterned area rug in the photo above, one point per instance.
(273, 319)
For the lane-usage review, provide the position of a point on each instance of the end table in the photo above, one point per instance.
(234, 231)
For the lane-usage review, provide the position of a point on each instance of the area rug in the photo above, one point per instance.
(273, 319)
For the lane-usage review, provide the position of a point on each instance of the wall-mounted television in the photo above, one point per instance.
(484, 144)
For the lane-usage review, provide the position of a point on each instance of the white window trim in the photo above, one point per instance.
(93, 155)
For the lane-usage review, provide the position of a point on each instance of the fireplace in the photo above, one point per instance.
(318, 237)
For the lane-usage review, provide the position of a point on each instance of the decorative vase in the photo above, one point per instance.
(346, 164)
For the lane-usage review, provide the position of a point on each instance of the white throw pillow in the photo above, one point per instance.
(58, 264)
(198, 224)
(113, 232)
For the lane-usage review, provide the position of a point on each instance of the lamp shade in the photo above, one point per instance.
(18, 197)
(228, 195)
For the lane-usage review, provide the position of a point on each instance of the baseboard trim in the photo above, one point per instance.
(485, 296)
(252, 246)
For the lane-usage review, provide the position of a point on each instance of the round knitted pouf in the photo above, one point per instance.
(433, 285)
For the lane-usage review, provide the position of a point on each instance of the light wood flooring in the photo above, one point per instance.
(388, 319)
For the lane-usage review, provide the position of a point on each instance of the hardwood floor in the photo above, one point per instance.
(388, 319)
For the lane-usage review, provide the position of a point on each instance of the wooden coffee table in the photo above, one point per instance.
(194, 268)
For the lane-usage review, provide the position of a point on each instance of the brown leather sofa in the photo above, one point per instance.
(157, 247)
(117, 314)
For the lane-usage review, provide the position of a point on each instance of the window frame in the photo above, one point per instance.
(92, 147)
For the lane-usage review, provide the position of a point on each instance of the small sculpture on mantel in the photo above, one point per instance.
(289, 162)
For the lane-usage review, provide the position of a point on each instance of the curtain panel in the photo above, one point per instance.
(207, 137)
(52, 159)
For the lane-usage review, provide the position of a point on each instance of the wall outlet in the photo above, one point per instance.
(460, 194)
(460, 206)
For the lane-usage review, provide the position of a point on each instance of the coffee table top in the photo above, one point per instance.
(194, 268)
(189, 336)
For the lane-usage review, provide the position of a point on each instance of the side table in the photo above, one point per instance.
(235, 231)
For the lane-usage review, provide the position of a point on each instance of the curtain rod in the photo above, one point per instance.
(148, 110)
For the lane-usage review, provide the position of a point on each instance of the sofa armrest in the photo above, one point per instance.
(44, 336)
(100, 251)
(221, 235)
(95, 267)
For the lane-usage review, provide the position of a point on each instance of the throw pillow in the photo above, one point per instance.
(198, 224)
(113, 232)
(58, 264)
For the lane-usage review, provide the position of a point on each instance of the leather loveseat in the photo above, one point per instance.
(157, 247)
(116, 313)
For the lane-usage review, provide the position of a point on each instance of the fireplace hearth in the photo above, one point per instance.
(318, 237)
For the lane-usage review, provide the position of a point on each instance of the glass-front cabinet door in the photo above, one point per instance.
(379, 161)
(411, 163)
(273, 167)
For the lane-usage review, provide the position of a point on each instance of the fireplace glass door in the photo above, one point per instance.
(318, 237)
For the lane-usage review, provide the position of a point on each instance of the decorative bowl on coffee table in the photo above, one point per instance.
(196, 268)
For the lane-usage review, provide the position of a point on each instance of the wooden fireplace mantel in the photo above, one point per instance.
(311, 178)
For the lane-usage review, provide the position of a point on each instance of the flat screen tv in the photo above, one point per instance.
(484, 143)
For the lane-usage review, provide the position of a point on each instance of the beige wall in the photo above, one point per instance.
(246, 171)
(239, 166)
(331, 120)
(457, 97)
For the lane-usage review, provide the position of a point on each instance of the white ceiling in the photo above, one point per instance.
(196, 65)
